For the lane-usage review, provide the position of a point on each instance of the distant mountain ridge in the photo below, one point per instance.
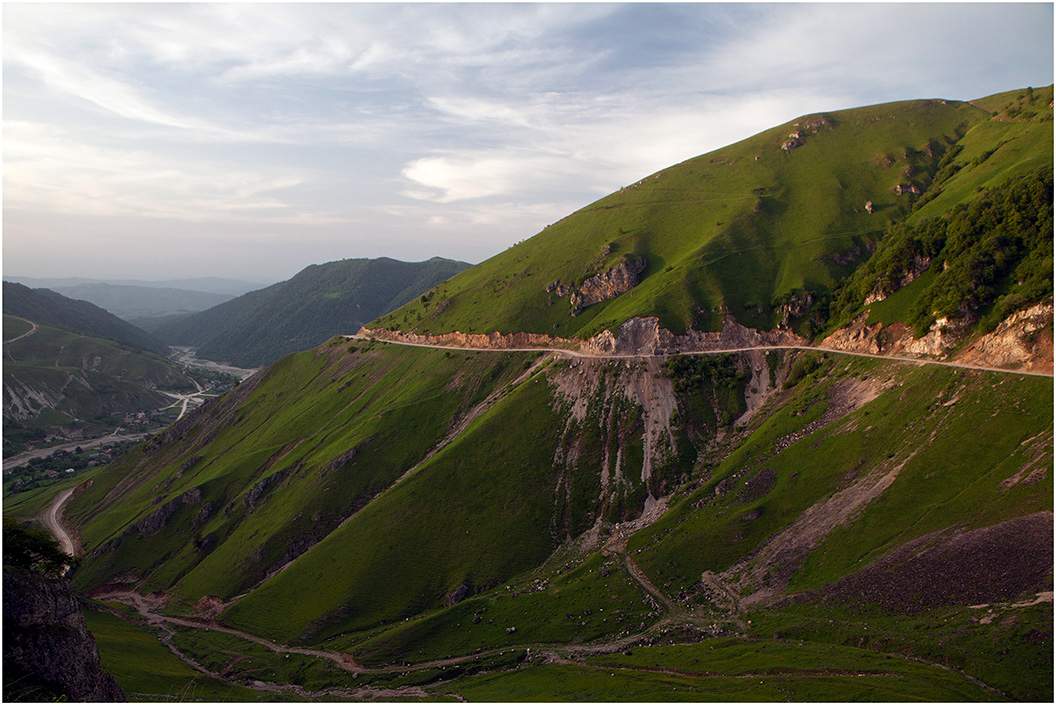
(47, 307)
(320, 301)
(130, 302)
(209, 285)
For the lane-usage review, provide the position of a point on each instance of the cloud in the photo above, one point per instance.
(369, 128)
(48, 169)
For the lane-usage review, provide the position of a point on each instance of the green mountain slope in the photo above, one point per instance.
(55, 379)
(746, 229)
(320, 301)
(733, 230)
(365, 519)
(49, 308)
(485, 543)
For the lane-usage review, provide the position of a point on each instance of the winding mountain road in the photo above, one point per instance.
(722, 351)
(52, 519)
(33, 329)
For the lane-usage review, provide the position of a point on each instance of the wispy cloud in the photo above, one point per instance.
(434, 129)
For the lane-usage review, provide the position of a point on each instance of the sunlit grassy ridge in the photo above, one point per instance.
(735, 229)
(321, 434)
(741, 229)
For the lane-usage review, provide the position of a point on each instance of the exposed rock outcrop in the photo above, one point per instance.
(480, 341)
(800, 130)
(794, 307)
(153, 522)
(636, 336)
(644, 335)
(897, 338)
(1021, 341)
(608, 284)
(48, 652)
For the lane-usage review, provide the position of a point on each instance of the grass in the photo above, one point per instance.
(28, 505)
(590, 601)
(147, 671)
(727, 670)
(474, 549)
(899, 306)
(733, 230)
(478, 512)
(93, 380)
(296, 428)
(244, 660)
(1012, 652)
(14, 327)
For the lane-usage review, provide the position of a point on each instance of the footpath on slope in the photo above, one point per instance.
(571, 352)
(33, 329)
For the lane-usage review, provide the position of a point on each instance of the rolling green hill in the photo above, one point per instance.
(416, 549)
(745, 228)
(49, 308)
(320, 301)
(369, 520)
(56, 380)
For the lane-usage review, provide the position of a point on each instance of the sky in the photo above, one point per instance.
(162, 141)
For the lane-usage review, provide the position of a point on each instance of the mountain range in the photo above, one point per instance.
(320, 301)
(772, 423)
(75, 370)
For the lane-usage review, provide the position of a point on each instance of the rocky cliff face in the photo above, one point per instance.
(645, 336)
(479, 341)
(897, 339)
(48, 652)
(1022, 341)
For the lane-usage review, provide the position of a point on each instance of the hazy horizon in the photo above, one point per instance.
(160, 142)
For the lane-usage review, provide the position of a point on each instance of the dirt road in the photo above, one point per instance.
(724, 351)
(28, 333)
(197, 398)
(52, 518)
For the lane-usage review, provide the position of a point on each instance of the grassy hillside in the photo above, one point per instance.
(55, 379)
(427, 523)
(320, 301)
(982, 230)
(49, 308)
(288, 458)
(749, 227)
(733, 230)
(476, 549)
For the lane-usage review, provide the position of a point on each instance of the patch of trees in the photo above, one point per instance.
(993, 256)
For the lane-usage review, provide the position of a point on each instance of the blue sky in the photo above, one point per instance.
(161, 141)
